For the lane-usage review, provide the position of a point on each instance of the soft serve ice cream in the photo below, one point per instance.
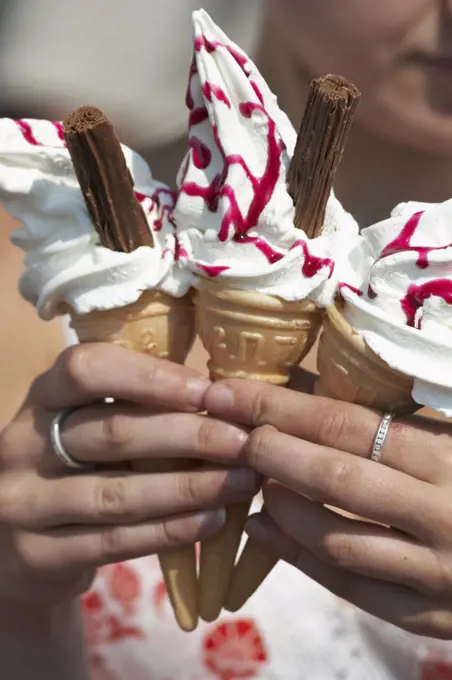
(64, 263)
(403, 307)
(234, 212)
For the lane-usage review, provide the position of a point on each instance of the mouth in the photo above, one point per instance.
(431, 61)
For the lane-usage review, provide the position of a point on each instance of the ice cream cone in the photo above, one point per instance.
(349, 371)
(161, 326)
(252, 335)
(255, 336)
(156, 324)
(253, 567)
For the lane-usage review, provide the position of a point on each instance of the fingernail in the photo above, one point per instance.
(235, 432)
(196, 389)
(258, 527)
(212, 520)
(242, 480)
(221, 397)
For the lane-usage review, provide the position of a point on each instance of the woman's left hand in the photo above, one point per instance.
(316, 453)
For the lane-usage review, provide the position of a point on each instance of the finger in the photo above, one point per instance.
(92, 546)
(417, 446)
(111, 433)
(360, 547)
(354, 484)
(397, 604)
(91, 372)
(121, 498)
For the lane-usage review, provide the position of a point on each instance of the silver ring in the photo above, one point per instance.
(380, 437)
(57, 445)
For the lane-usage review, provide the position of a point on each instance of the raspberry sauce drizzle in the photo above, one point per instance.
(371, 294)
(166, 209)
(312, 263)
(418, 294)
(341, 285)
(264, 247)
(212, 270)
(262, 187)
(200, 153)
(403, 243)
(30, 137)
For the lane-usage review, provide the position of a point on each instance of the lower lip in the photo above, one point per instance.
(440, 63)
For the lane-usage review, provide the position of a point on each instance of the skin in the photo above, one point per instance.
(399, 54)
(315, 453)
(57, 528)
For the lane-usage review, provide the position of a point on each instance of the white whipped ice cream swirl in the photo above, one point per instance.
(64, 263)
(234, 213)
(404, 306)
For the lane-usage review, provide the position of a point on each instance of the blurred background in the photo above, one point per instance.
(129, 58)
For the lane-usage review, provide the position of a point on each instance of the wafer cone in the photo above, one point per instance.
(161, 326)
(156, 324)
(255, 336)
(349, 371)
(252, 335)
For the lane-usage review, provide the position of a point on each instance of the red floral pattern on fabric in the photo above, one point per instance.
(98, 670)
(234, 649)
(125, 587)
(159, 596)
(102, 624)
(436, 670)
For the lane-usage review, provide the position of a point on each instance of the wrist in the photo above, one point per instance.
(48, 638)
(15, 612)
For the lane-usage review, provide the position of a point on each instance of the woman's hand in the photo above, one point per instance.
(56, 527)
(316, 453)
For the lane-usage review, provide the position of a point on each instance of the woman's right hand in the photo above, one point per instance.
(57, 526)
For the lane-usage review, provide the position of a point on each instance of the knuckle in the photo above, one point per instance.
(206, 436)
(437, 624)
(111, 498)
(337, 475)
(117, 432)
(336, 550)
(173, 533)
(260, 443)
(32, 553)
(331, 426)
(442, 584)
(112, 544)
(260, 407)
(189, 490)
(11, 501)
(76, 363)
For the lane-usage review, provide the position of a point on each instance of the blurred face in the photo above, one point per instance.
(399, 52)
